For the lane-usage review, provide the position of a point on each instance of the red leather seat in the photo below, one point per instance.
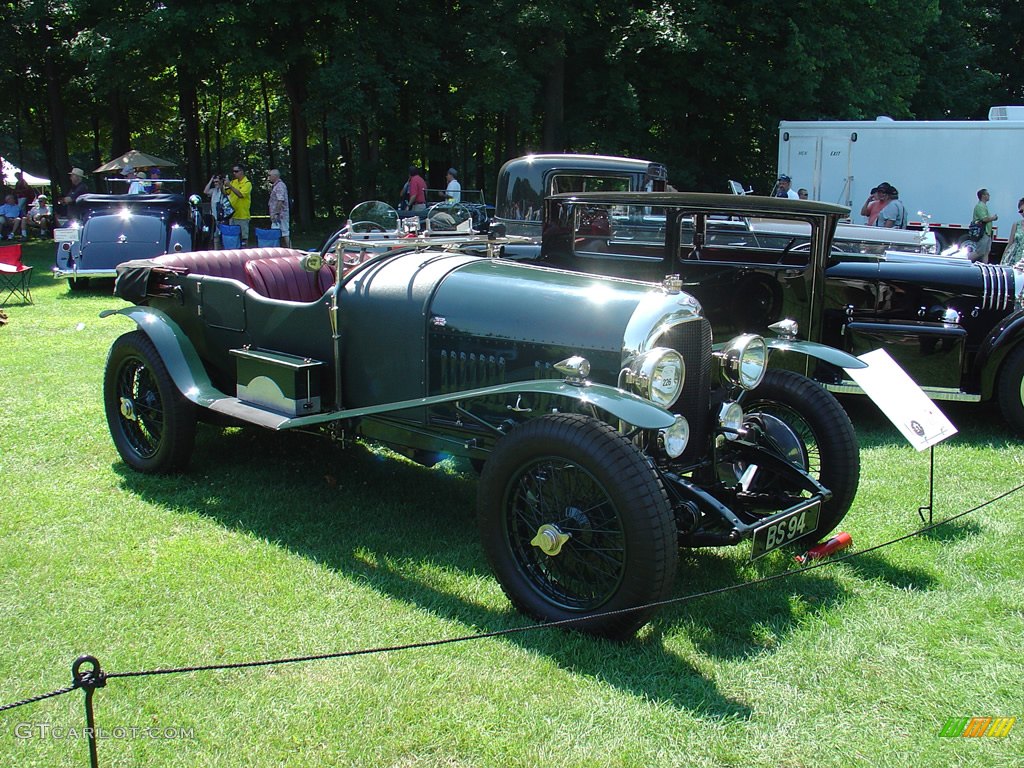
(284, 278)
(229, 263)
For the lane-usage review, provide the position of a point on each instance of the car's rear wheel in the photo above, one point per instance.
(825, 443)
(152, 424)
(1010, 389)
(575, 522)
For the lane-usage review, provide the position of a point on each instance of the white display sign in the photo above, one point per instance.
(901, 400)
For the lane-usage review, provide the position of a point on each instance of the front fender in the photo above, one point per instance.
(812, 349)
(176, 351)
(994, 349)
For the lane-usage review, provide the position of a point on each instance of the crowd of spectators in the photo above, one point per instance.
(24, 212)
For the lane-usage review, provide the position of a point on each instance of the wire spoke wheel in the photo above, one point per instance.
(589, 566)
(141, 413)
(151, 423)
(576, 524)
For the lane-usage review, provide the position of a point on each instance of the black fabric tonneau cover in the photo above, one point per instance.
(132, 281)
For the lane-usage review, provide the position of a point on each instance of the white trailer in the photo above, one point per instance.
(937, 165)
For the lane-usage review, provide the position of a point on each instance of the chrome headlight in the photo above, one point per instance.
(744, 360)
(657, 375)
(675, 438)
(730, 419)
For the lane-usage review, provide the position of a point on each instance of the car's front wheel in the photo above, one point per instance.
(152, 424)
(1010, 389)
(575, 522)
(817, 436)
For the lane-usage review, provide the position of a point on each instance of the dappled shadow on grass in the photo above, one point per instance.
(874, 567)
(387, 522)
(954, 531)
(747, 621)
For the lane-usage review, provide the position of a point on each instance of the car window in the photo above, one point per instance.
(743, 240)
(576, 182)
(625, 231)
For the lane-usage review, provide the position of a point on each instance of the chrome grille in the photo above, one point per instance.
(997, 287)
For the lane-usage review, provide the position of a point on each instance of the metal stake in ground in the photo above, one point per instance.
(89, 680)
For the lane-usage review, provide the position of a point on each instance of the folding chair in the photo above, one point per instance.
(230, 236)
(268, 238)
(15, 277)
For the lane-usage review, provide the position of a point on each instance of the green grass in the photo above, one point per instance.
(280, 545)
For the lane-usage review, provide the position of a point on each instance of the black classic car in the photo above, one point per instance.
(608, 429)
(955, 326)
(110, 229)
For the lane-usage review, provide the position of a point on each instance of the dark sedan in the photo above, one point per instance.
(957, 327)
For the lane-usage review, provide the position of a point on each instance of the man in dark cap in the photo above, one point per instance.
(785, 188)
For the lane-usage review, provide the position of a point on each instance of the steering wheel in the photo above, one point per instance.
(367, 226)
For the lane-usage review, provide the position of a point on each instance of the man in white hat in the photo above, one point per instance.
(78, 188)
(138, 186)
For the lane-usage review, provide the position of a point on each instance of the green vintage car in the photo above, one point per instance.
(608, 430)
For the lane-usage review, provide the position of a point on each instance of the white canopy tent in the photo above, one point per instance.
(10, 169)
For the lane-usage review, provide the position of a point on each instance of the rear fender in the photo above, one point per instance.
(176, 351)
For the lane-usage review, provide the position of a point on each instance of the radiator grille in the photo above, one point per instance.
(692, 340)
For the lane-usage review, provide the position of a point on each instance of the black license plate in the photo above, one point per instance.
(791, 526)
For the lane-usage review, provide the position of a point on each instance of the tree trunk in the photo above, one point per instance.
(120, 124)
(61, 163)
(438, 159)
(188, 108)
(266, 122)
(325, 146)
(554, 99)
(295, 86)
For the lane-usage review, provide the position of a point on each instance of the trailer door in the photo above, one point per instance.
(836, 182)
(799, 160)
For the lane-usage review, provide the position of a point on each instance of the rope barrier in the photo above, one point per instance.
(89, 680)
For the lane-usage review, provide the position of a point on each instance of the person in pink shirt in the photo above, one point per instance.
(872, 206)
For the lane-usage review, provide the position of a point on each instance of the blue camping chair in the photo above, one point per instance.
(230, 235)
(268, 238)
